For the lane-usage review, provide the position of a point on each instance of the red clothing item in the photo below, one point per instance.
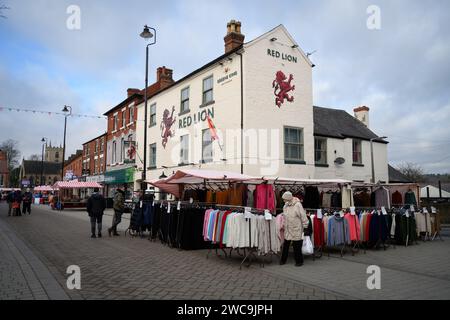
(397, 198)
(222, 228)
(354, 226)
(319, 231)
(265, 197)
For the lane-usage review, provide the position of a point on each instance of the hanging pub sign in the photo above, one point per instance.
(197, 117)
(130, 151)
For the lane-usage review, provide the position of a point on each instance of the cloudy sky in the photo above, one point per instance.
(401, 71)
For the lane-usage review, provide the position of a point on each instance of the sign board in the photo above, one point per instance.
(319, 214)
(352, 211)
(130, 151)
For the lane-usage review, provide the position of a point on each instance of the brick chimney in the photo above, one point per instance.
(234, 37)
(362, 114)
(131, 91)
(164, 77)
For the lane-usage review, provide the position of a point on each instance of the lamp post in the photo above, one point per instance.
(67, 112)
(371, 155)
(147, 35)
(43, 140)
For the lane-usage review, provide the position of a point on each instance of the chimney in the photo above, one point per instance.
(164, 77)
(234, 37)
(362, 114)
(131, 91)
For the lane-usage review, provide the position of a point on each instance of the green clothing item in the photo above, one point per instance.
(410, 198)
(119, 201)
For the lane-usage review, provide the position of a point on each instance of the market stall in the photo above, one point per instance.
(41, 194)
(68, 195)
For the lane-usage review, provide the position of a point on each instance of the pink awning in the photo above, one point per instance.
(166, 187)
(43, 188)
(198, 176)
(74, 184)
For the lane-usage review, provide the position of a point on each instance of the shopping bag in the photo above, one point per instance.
(307, 248)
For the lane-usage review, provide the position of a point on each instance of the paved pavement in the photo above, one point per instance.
(36, 250)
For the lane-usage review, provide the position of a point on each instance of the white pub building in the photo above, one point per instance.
(259, 97)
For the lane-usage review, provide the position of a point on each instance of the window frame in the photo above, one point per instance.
(114, 152)
(209, 143)
(186, 100)
(324, 152)
(204, 92)
(124, 119)
(356, 142)
(300, 145)
(184, 149)
(152, 124)
(131, 114)
(152, 155)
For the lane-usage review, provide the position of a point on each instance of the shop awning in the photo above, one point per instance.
(293, 181)
(74, 184)
(43, 188)
(198, 176)
(166, 187)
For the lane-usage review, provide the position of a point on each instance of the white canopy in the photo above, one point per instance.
(434, 192)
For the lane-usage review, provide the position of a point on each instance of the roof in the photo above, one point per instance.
(33, 167)
(396, 176)
(103, 134)
(124, 102)
(434, 192)
(74, 157)
(340, 124)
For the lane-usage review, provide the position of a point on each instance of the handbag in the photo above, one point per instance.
(307, 247)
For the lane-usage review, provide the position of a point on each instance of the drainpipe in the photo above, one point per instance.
(242, 114)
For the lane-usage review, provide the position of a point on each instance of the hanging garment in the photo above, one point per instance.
(265, 197)
(336, 200)
(312, 198)
(318, 232)
(361, 199)
(326, 200)
(347, 197)
(237, 195)
(410, 198)
(393, 226)
(397, 198)
(210, 197)
(222, 197)
(382, 198)
(435, 223)
(280, 220)
(338, 231)
(378, 229)
(354, 226)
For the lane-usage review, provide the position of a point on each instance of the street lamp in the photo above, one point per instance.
(43, 140)
(67, 112)
(371, 155)
(147, 35)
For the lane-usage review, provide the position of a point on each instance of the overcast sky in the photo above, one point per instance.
(401, 71)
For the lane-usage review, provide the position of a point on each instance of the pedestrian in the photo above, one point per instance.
(95, 207)
(295, 222)
(27, 198)
(119, 207)
(10, 201)
(17, 202)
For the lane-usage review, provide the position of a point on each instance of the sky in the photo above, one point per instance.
(400, 70)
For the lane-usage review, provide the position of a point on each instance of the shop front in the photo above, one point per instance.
(117, 178)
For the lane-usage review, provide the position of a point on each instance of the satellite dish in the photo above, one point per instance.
(339, 160)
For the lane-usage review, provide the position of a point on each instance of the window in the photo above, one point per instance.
(57, 154)
(207, 90)
(96, 146)
(122, 149)
(131, 114)
(114, 152)
(152, 156)
(124, 118)
(357, 153)
(293, 145)
(320, 150)
(184, 149)
(153, 115)
(115, 122)
(101, 145)
(207, 152)
(184, 100)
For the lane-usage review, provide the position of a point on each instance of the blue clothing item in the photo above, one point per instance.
(212, 222)
(338, 231)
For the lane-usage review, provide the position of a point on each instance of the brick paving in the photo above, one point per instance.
(36, 251)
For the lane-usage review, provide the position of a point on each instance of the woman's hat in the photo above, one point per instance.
(287, 196)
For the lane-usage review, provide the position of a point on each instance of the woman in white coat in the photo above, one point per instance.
(295, 222)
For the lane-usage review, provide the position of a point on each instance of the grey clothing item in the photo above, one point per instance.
(382, 198)
(338, 231)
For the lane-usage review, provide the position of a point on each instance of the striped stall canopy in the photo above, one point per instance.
(75, 184)
(43, 188)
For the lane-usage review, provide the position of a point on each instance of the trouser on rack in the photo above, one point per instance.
(297, 251)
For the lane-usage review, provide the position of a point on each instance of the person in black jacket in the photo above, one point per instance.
(27, 199)
(95, 207)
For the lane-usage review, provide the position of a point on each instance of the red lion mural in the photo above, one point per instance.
(283, 86)
(166, 125)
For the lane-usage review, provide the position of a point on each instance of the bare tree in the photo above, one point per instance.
(3, 7)
(413, 171)
(12, 152)
(35, 157)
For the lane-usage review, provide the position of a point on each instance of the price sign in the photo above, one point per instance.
(168, 207)
(247, 213)
(433, 210)
(411, 208)
(383, 210)
(352, 211)
(179, 206)
(319, 214)
(267, 215)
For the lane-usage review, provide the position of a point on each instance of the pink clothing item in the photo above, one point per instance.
(279, 220)
(265, 197)
(354, 226)
(206, 223)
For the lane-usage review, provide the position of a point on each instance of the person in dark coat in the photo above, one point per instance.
(10, 200)
(27, 199)
(17, 202)
(95, 207)
(119, 208)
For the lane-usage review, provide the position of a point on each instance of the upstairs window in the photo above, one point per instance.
(207, 90)
(357, 152)
(184, 100)
(320, 150)
(153, 115)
